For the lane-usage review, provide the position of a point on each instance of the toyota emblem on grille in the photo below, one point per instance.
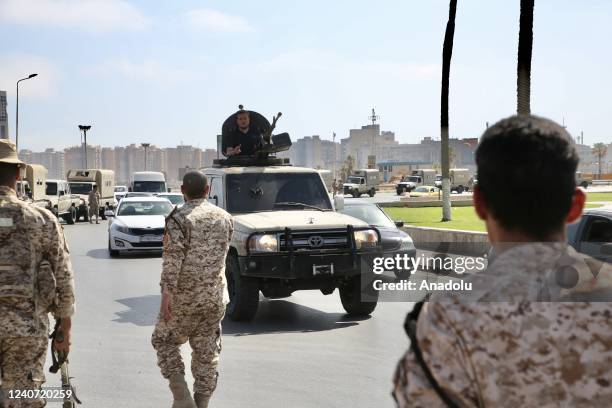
(315, 241)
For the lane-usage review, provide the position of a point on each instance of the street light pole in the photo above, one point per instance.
(334, 161)
(145, 145)
(17, 111)
(84, 129)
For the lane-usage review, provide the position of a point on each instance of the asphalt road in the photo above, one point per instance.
(302, 351)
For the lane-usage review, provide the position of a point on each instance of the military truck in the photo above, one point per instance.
(287, 235)
(363, 181)
(61, 202)
(82, 182)
(583, 180)
(33, 182)
(422, 177)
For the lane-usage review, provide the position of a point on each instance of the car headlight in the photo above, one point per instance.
(366, 239)
(406, 244)
(263, 243)
(120, 228)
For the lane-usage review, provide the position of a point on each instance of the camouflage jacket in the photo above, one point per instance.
(94, 198)
(196, 243)
(500, 348)
(44, 247)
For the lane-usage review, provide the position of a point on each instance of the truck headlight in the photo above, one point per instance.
(366, 239)
(120, 228)
(263, 243)
(406, 244)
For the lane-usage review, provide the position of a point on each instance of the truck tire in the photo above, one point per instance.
(459, 189)
(584, 184)
(71, 216)
(350, 296)
(356, 195)
(243, 292)
(102, 214)
(400, 190)
(372, 192)
(86, 214)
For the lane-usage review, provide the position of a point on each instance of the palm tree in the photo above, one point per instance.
(447, 53)
(523, 81)
(599, 151)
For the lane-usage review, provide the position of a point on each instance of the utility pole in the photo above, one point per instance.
(334, 161)
(145, 145)
(84, 129)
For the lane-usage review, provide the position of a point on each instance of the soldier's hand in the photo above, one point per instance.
(62, 343)
(165, 309)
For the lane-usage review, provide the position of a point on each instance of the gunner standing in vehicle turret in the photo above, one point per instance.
(243, 140)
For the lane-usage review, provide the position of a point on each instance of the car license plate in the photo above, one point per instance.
(151, 238)
(323, 269)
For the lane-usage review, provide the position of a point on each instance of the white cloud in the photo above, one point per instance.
(87, 15)
(15, 67)
(147, 70)
(216, 21)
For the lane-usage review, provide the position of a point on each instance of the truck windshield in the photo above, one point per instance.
(80, 188)
(149, 186)
(414, 179)
(354, 180)
(256, 192)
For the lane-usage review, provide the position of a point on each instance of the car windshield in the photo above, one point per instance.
(438, 178)
(150, 186)
(174, 198)
(144, 208)
(256, 192)
(51, 189)
(120, 189)
(422, 189)
(80, 188)
(370, 214)
(354, 180)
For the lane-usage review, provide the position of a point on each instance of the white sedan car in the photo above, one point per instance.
(138, 225)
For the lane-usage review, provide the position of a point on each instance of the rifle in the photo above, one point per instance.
(60, 363)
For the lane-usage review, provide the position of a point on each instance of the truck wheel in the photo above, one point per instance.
(112, 252)
(400, 190)
(459, 189)
(102, 214)
(372, 192)
(243, 292)
(584, 184)
(71, 217)
(350, 296)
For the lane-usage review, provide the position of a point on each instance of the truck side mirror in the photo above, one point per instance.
(399, 224)
(216, 198)
(61, 193)
(109, 213)
(339, 202)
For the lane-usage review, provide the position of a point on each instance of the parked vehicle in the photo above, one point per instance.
(394, 241)
(61, 202)
(460, 180)
(82, 182)
(34, 184)
(364, 181)
(148, 182)
(137, 225)
(425, 191)
(119, 192)
(583, 180)
(592, 234)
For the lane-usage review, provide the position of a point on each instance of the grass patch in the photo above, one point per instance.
(599, 197)
(464, 218)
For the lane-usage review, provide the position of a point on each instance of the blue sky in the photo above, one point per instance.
(168, 72)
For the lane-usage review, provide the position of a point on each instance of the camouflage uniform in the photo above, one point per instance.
(195, 247)
(94, 203)
(517, 352)
(24, 308)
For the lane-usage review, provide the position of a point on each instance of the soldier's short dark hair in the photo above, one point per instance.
(526, 174)
(194, 183)
(8, 171)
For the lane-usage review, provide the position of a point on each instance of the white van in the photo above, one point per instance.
(148, 182)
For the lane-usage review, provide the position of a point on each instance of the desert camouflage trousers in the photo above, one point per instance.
(203, 331)
(22, 361)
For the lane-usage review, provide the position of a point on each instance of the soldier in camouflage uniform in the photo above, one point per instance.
(193, 292)
(535, 331)
(35, 279)
(94, 204)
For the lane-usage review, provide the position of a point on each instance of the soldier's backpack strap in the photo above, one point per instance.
(410, 325)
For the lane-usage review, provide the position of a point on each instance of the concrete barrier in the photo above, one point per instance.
(471, 243)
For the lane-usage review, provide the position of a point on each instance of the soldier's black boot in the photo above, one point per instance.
(180, 392)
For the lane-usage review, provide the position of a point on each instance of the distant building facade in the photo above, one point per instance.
(4, 128)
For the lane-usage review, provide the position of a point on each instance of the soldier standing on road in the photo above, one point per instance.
(536, 332)
(193, 288)
(94, 204)
(35, 279)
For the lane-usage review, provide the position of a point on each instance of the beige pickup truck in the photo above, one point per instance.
(61, 202)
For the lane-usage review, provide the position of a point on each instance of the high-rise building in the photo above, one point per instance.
(4, 129)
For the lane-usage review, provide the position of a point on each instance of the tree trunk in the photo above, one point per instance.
(447, 53)
(523, 82)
